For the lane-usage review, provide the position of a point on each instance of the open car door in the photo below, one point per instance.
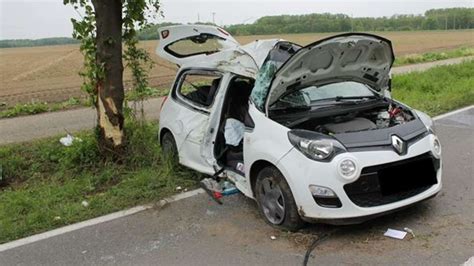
(185, 43)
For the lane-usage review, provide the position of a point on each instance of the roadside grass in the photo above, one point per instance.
(433, 56)
(149, 92)
(40, 107)
(437, 90)
(33, 107)
(45, 183)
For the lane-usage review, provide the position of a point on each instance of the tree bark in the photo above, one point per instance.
(110, 90)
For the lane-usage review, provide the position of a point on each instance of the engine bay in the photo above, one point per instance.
(379, 117)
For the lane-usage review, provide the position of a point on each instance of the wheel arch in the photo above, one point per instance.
(163, 131)
(256, 167)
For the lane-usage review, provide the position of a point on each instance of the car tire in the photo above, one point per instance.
(275, 200)
(169, 149)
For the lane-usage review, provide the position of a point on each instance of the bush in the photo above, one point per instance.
(81, 155)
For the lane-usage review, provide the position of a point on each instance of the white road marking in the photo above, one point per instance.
(94, 221)
(452, 112)
(120, 214)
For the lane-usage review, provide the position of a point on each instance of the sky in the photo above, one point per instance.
(32, 19)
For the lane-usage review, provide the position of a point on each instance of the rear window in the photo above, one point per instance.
(199, 88)
(200, 44)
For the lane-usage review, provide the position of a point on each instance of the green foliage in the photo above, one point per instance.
(147, 92)
(135, 14)
(46, 182)
(437, 90)
(85, 32)
(25, 109)
(38, 42)
(434, 56)
(435, 19)
(39, 107)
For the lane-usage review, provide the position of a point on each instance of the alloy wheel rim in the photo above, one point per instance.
(272, 201)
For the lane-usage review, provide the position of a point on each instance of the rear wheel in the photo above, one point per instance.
(275, 200)
(169, 149)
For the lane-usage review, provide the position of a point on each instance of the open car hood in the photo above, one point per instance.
(358, 57)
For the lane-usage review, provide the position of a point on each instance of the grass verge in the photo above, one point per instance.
(437, 90)
(45, 183)
(43, 107)
(40, 107)
(433, 56)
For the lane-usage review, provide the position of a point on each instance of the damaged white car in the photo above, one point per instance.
(310, 133)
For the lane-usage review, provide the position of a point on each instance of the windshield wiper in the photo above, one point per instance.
(339, 98)
(292, 108)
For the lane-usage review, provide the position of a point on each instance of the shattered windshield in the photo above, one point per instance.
(275, 59)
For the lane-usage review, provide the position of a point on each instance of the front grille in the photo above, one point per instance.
(387, 183)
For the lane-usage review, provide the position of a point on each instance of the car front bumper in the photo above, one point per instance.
(301, 172)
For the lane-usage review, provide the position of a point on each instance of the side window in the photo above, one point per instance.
(199, 88)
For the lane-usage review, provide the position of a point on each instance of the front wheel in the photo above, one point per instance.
(275, 200)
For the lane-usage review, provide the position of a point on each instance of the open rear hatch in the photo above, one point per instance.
(360, 57)
(184, 43)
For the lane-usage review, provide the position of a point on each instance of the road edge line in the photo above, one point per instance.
(453, 112)
(94, 221)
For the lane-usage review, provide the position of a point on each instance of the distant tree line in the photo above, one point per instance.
(433, 19)
(38, 42)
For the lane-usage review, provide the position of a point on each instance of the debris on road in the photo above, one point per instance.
(228, 188)
(213, 189)
(397, 234)
(68, 140)
(408, 230)
(273, 237)
(217, 190)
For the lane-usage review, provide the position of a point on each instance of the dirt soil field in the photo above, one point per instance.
(50, 73)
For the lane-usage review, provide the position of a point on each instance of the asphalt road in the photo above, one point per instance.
(50, 124)
(196, 231)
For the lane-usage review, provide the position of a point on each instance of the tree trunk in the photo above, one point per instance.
(110, 91)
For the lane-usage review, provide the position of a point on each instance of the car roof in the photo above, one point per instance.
(243, 60)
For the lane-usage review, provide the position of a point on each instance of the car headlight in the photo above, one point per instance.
(314, 145)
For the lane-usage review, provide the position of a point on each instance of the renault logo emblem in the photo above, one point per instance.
(398, 144)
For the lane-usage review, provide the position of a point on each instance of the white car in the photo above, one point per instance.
(322, 139)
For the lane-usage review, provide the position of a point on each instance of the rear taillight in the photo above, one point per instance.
(165, 34)
(163, 102)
